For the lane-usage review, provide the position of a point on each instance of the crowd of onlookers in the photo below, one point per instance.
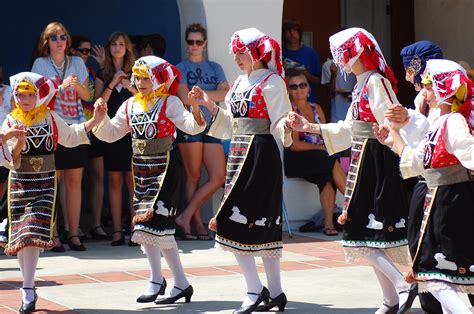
(65, 58)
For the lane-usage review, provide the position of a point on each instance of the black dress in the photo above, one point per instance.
(117, 155)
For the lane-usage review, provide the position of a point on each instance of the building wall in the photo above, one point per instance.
(449, 24)
(22, 25)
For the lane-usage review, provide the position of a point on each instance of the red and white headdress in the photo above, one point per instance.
(353, 43)
(160, 72)
(259, 46)
(29, 82)
(449, 79)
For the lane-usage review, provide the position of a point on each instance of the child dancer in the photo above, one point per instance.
(375, 204)
(152, 117)
(444, 258)
(249, 222)
(32, 181)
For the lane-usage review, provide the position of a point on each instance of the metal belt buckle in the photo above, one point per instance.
(36, 163)
(235, 125)
(140, 144)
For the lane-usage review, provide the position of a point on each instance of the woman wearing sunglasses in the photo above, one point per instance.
(82, 48)
(70, 74)
(307, 157)
(200, 149)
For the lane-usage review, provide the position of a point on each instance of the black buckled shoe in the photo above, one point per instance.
(186, 294)
(412, 293)
(391, 309)
(144, 298)
(75, 247)
(29, 307)
(279, 301)
(263, 296)
(99, 236)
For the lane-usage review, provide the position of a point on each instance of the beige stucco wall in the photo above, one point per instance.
(448, 23)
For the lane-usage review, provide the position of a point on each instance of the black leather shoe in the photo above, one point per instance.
(75, 247)
(120, 241)
(186, 294)
(412, 293)
(391, 309)
(279, 301)
(144, 298)
(263, 296)
(29, 307)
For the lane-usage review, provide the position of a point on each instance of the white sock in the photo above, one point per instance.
(19, 256)
(249, 270)
(30, 256)
(450, 301)
(272, 270)
(153, 255)
(384, 264)
(174, 262)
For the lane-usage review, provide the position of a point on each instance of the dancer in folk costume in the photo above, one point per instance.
(32, 181)
(152, 116)
(375, 204)
(444, 259)
(249, 221)
(414, 59)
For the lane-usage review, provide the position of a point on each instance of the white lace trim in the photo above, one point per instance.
(273, 253)
(431, 285)
(164, 242)
(375, 244)
(398, 255)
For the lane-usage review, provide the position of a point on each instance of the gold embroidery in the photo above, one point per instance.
(36, 163)
(141, 146)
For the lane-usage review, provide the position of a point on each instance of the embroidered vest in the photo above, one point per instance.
(435, 153)
(250, 102)
(361, 108)
(150, 124)
(41, 139)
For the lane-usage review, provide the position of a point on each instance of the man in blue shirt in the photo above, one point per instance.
(297, 55)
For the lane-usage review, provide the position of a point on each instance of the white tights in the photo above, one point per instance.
(390, 279)
(450, 301)
(28, 260)
(174, 262)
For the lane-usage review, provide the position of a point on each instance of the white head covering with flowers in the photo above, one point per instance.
(259, 46)
(347, 45)
(160, 71)
(446, 76)
(26, 82)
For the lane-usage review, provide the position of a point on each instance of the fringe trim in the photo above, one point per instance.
(140, 218)
(398, 255)
(163, 242)
(430, 286)
(273, 253)
(13, 249)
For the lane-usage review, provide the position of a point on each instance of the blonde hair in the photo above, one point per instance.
(129, 58)
(52, 29)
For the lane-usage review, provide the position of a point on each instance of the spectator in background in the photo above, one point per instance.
(82, 47)
(297, 55)
(200, 149)
(153, 45)
(5, 103)
(340, 88)
(70, 74)
(307, 157)
(113, 85)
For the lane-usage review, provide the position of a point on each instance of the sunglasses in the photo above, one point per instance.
(84, 51)
(192, 42)
(60, 37)
(296, 86)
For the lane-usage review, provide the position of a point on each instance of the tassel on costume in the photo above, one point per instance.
(343, 218)
(213, 224)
